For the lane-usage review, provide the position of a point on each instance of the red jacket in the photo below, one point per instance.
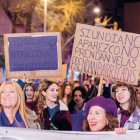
(32, 105)
(61, 119)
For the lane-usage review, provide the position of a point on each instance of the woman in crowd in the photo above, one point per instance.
(77, 104)
(105, 89)
(65, 94)
(29, 92)
(13, 112)
(101, 115)
(75, 84)
(66, 82)
(93, 91)
(126, 98)
(86, 87)
(53, 113)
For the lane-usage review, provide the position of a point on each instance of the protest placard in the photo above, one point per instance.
(106, 53)
(64, 75)
(38, 55)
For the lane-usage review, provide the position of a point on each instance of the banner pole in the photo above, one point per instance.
(67, 70)
(100, 86)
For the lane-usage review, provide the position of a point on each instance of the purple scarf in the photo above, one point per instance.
(17, 122)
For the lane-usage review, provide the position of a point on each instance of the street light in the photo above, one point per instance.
(45, 11)
(96, 10)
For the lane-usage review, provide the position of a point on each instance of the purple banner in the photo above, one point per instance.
(33, 53)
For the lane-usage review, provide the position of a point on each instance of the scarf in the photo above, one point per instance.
(17, 122)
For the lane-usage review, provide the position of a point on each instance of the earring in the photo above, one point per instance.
(107, 124)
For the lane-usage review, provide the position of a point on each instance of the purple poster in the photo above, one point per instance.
(33, 53)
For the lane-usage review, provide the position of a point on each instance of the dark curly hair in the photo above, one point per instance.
(112, 123)
(72, 103)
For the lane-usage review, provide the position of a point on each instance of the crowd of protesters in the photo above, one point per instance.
(50, 105)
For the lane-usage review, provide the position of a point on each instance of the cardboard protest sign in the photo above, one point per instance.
(64, 73)
(106, 53)
(38, 55)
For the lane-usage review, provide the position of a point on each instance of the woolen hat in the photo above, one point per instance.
(107, 104)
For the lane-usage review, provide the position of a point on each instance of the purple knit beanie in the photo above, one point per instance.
(107, 104)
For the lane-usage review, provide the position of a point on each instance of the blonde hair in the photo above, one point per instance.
(20, 103)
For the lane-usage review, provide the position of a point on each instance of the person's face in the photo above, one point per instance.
(75, 85)
(51, 93)
(122, 95)
(78, 99)
(138, 88)
(8, 96)
(67, 90)
(59, 84)
(97, 118)
(85, 82)
(29, 92)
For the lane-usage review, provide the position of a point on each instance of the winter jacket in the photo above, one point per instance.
(61, 119)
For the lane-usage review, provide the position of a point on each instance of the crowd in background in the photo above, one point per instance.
(50, 105)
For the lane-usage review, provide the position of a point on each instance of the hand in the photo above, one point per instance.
(24, 78)
(106, 82)
(121, 130)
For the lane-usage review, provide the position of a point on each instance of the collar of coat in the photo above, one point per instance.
(134, 116)
(63, 107)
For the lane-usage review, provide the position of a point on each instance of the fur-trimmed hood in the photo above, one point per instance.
(63, 107)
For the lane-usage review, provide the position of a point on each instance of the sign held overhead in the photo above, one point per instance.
(38, 55)
(106, 53)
